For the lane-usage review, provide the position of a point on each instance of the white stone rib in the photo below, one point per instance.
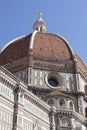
(32, 40)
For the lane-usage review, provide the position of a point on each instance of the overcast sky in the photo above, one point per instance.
(65, 17)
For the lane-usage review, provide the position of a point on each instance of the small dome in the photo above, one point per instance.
(39, 25)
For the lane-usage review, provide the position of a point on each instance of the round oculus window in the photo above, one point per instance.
(54, 80)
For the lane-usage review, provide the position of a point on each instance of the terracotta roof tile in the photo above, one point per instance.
(56, 93)
(45, 45)
(51, 46)
(16, 50)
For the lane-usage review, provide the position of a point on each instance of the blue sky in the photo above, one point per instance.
(65, 17)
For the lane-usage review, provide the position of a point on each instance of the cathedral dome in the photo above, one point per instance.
(43, 47)
(47, 80)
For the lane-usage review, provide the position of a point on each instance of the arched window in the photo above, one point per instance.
(51, 102)
(86, 112)
(62, 103)
(65, 122)
(71, 105)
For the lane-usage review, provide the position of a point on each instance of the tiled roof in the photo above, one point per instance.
(56, 92)
(16, 50)
(51, 46)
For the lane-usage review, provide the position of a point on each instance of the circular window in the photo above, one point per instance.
(53, 82)
(53, 79)
(51, 102)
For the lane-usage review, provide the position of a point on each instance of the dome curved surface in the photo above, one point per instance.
(43, 45)
(51, 46)
(15, 50)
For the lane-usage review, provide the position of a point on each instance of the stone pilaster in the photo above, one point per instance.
(52, 118)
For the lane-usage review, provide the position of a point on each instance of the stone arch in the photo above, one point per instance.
(51, 102)
(62, 103)
(70, 104)
(66, 122)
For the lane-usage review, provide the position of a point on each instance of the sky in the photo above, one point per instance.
(67, 18)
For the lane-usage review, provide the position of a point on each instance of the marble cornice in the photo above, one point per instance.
(18, 86)
(7, 78)
(71, 114)
(83, 74)
(10, 80)
(31, 97)
(51, 64)
(17, 65)
(13, 82)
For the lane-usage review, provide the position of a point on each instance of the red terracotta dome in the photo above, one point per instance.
(43, 45)
(15, 50)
